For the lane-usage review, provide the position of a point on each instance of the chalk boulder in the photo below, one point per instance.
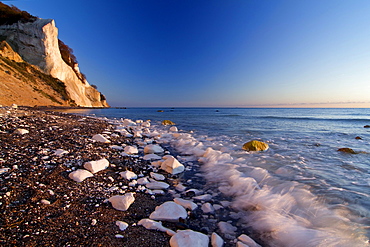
(80, 175)
(169, 211)
(100, 138)
(122, 203)
(96, 165)
(216, 240)
(172, 165)
(153, 149)
(189, 238)
(186, 203)
(128, 175)
(255, 146)
(130, 150)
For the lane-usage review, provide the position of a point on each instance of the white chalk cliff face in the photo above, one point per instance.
(37, 43)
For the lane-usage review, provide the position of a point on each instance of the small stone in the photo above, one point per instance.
(226, 228)
(142, 181)
(60, 152)
(44, 201)
(122, 203)
(80, 175)
(21, 131)
(189, 238)
(186, 203)
(119, 236)
(157, 176)
(93, 222)
(128, 175)
(216, 240)
(153, 225)
(169, 211)
(205, 197)
(174, 129)
(248, 241)
(157, 185)
(3, 170)
(152, 157)
(122, 225)
(207, 208)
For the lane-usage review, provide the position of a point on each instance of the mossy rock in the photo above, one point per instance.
(167, 122)
(255, 146)
(347, 150)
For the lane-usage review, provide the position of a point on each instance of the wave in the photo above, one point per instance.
(285, 213)
(315, 118)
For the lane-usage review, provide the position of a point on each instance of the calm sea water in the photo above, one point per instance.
(302, 191)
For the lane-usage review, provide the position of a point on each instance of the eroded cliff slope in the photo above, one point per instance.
(36, 42)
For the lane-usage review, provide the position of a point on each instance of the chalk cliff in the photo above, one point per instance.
(37, 44)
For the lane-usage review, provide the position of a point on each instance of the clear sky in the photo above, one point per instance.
(243, 53)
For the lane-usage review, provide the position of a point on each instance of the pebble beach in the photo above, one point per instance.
(69, 180)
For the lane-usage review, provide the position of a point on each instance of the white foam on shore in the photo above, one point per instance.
(284, 212)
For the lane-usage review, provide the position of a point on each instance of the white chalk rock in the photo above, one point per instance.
(122, 225)
(142, 181)
(3, 170)
(186, 203)
(21, 131)
(100, 138)
(146, 124)
(129, 175)
(116, 147)
(174, 129)
(248, 241)
(130, 150)
(157, 185)
(96, 165)
(226, 228)
(44, 201)
(80, 175)
(128, 122)
(157, 176)
(153, 149)
(154, 225)
(207, 208)
(169, 211)
(60, 152)
(205, 197)
(216, 240)
(189, 238)
(122, 203)
(14, 106)
(152, 157)
(180, 187)
(172, 165)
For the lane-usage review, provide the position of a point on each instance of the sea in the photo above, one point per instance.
(300, 192)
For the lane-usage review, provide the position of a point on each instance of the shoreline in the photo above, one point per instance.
(78, 213)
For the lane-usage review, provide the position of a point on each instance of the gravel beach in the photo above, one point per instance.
(42, 206)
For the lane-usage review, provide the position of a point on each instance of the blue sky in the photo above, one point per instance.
(218, 53)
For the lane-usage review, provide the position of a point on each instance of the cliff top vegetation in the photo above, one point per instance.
(11, 14)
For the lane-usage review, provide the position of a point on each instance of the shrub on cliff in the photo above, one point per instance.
(11, 14)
